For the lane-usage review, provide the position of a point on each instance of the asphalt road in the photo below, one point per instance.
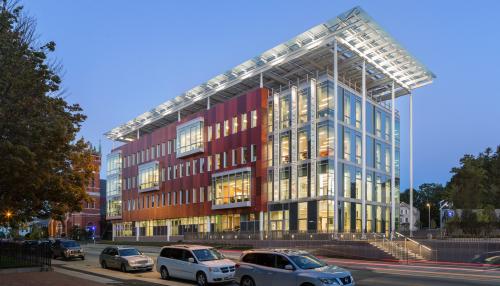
(364, 272)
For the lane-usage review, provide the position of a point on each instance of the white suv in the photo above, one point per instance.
(202, 264)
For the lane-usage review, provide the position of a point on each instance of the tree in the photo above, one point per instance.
(426, 193)
(44, 166)
(476, 183)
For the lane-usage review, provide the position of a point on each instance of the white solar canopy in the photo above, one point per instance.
(359, 39)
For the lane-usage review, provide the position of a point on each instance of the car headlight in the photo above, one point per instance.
(214, 269)
(328, 281)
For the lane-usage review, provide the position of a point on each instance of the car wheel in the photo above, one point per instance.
(123, 268)
(247, 281)
(164, 273)
(307, 284)
(201, 279)
(103, 264)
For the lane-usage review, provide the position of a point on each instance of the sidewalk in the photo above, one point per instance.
(52, 278)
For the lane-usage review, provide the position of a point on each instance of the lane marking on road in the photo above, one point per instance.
(473, 277)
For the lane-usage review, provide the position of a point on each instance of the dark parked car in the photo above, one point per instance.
(67, 249)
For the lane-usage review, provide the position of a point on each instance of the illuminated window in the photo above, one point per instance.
(235, 124)
(149, 177)
(217, 130)
(303, 105)
(358, 149)
(190, 137)
(303, 144)
(325, 139)
(378, 124)
(347, 108)
(347, 145)
(232, 188)
(303, 181)
(226, 127)
(302, 217)
(244, 122)
(285, 148)
(209, 133)
(358, 114)
(285, 111)
(254, 118)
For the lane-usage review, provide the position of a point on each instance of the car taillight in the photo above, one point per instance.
(237, 265)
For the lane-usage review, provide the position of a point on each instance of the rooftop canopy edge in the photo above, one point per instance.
(359, 39)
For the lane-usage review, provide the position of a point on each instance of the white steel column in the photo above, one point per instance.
(335, 138)
(261, 80)
(137, 232)
(411, 164)
(179, 115)
(208, 103)
(393, 158)
(363, 144)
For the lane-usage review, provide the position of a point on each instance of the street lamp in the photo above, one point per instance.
(429, 206)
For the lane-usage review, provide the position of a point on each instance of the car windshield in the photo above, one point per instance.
(129, 252)
(208, 254)
(70, 243)
(307, 261)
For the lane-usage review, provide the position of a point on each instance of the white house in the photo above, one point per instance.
(404, 216)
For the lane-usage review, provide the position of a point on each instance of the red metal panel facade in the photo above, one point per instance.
(246, 103)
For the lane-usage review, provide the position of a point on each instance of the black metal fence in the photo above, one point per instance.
(22, 254)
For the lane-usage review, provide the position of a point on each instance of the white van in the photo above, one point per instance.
(202, 264)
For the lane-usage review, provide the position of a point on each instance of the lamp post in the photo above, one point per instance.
(429, 207)
(8, 215)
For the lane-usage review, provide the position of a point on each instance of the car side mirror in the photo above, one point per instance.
(191, 260)
(289, 267)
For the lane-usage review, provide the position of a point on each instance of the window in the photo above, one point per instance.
(378, 124)
(187, 197)
(325, 99)
(194, 196)
(169, 199)
(243, 158)
(217, 162)
(148, 177)
(162, 150)
(270, 156)
(387, 160)
(253, 153)
(303, 144)
(158, 151)
(270, 117)
(202, 195)
(285, 111)
(235, 124)
(226, 127)
(347, 145)
(358, 149)
(163, 174)
(194, 167)
(224, 160)
(254, 118)
(303, 181)
(175, 172)
(302, 217)
(190, 137)
(233, 157)
(181, 168)
(325, 178)
(378, 156)
(285, 183)
(303, 106)
(217, 130)
(232, 188)
(387, 128)
(244, 122)
(325, 215)
(347, 108)
(188, 168)
(169, 145)
(169, 170)
(209, 163)
(202, 163)
(175, 198)
(285, 148)
(347, 182)
(358, 114)
(209, 133)
(325, 139)
(180, 197)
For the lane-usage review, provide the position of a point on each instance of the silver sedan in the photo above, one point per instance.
(125, 258)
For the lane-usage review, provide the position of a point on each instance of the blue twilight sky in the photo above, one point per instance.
(122, 58)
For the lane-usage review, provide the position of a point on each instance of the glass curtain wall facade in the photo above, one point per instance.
(302, 183)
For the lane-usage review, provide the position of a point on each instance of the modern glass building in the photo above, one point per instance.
(302, 138)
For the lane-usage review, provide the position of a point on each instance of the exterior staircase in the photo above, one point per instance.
(403, 248)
